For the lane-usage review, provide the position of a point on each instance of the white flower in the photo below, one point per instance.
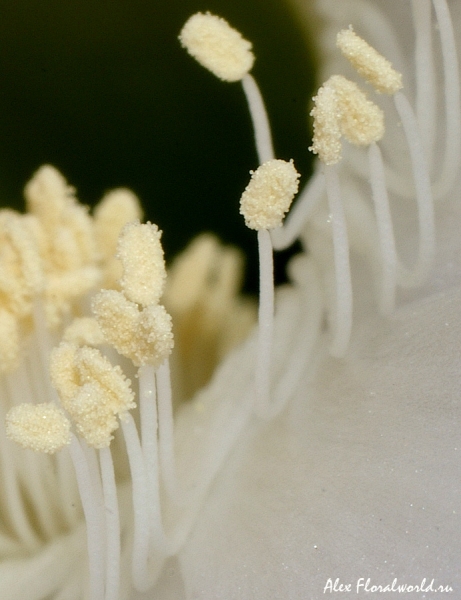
(353, 474)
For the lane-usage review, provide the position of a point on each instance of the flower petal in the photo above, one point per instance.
(356, 479)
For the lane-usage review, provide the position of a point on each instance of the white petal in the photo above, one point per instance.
(357, 479)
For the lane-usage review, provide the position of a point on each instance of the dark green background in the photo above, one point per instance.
(103, 91)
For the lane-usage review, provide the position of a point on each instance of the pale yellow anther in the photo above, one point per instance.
(140, 251)
(63, 233)
(369, 63)
(64, 375)
(326, 141)
(143, 336)
(47, 195)
(217, 46)
(67, 226)
(193, 273)
(15, 237)
(93, 392)
(155, 336)
(117, 318)
(269, 194)
(9, 341)
(362, 121)
(39, 427)
(84, 331)
(21, 274)
(116, 209)
(342, 109)
(63, 288)
(210, 316)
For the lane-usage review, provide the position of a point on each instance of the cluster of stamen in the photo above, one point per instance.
(54, 257)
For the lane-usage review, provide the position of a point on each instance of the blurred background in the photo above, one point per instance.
(102, 90)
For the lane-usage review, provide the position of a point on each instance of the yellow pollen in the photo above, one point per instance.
(269, 194)
(369, 63)
(342, 109)
(84, 331)
(92, 391)
(326, 141)
(141, 254)
(362, 121)
(217, 46)
(39, 427)
(143, 336)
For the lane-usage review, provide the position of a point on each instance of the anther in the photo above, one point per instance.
(217, 46)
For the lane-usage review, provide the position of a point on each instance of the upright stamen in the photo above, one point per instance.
(263, 204)
(368, 63)
(380, 74)
(45, 428)
(342, 109)
(94, 393)
(138, 327)
(207, 38)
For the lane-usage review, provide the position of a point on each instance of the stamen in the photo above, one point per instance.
(263, 204)
(142, 580)
(217, 46)
(371, 65)
(94, 524)
(283, 237)
(39, 427)
(326, 141)
(149, 433)
(84, 331)
(112, 518)
(166, 434)
(260, 120)
(269, 194)
(343, 317)
(144, 336)
(92, 391)
(9, 341)
(141, 254)
(424, 199)
(361, 121)
(117, 208)
(385, 230)
(342, 109)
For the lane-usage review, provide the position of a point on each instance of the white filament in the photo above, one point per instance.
(452, 155)
(149, 437)
(112, 520)
(284, 236)
(343, 317)
(266, 322)
(258, 113)
(166, 433)
(140, 556)
(94, 523)
(307, 332)
(424, 200)
(426, 109)
(385, 230)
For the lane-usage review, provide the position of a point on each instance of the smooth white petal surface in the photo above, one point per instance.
(359, 478)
